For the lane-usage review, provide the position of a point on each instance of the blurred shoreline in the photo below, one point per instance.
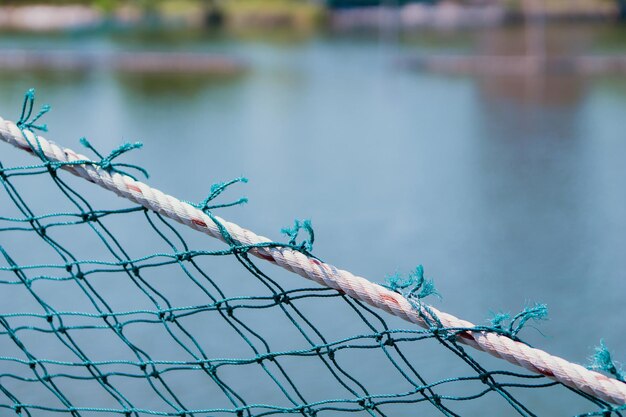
(297, 15)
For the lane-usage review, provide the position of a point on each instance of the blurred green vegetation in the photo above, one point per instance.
(557, 5)
(260, 13)
(300, 14)
(236, 13)
(300, 6)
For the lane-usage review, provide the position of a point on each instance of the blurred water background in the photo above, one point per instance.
(508, 187)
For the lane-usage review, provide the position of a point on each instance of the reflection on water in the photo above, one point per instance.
(508, 189)
(187, 85)
(561, 88)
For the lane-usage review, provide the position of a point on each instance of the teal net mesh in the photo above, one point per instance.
(110, 309)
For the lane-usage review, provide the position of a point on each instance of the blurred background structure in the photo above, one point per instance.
(481, 138)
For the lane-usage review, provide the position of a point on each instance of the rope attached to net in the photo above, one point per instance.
(302, 263)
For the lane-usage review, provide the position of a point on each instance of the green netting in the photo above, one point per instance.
(110, 309)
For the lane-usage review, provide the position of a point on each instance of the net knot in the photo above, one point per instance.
(89, 217)
(106, 162)
(209, 368)
(183, 256)
(26, 120)
(52, 168)
(602, 360)
(281, 298)
(366, 403)
(292, 232)
(437, 331)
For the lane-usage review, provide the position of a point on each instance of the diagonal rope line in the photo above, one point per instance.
(244, 241)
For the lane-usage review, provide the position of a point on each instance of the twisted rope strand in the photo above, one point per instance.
(535, 360)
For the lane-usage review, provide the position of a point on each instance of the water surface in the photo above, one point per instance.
(509, 190)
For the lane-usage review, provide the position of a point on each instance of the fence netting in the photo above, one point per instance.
(111, 309)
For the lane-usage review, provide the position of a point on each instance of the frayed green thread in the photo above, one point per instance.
(503, 323)
(603, 361)
(26, 121)
(216, 190)
(292, 233)
(106, 162)
(535, 312)
(499, 319)
(414, 286)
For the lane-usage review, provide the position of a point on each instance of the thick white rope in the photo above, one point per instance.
(535, 360)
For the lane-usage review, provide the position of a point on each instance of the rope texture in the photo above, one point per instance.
(535, 360)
